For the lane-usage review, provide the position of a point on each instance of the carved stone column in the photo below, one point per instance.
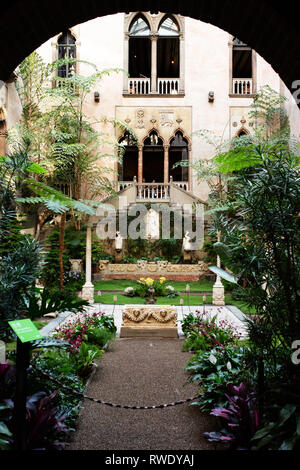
(140, 164)
(166, 163)
(190, 176)
(218, 288)
(88, 288)
(181, 64)
(125, 62)
(154, 39)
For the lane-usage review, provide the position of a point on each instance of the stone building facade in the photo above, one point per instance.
(184, 75)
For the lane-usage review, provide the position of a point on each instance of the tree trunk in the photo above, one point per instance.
(61, 248)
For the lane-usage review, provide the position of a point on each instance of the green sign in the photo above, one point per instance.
(25, 330)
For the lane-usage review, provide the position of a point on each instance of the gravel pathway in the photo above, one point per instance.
(142, 371)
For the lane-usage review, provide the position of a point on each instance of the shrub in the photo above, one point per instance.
(214, 370)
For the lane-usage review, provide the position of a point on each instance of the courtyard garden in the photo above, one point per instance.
(251, 383)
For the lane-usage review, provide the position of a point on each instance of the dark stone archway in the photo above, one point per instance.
(272, 30)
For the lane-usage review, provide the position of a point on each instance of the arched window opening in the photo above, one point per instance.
(128, 167)
(168, 49)
(153, 159)
(241, 60)
(3, 134)
(178, 152)
(168, 27)
(139, 49)
(241, 133)
(66, 49)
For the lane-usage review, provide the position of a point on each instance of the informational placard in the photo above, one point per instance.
(25, 330)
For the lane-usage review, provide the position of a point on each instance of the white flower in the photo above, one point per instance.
(213, 358)
(229, 366)
(170, 288)
(128, 290)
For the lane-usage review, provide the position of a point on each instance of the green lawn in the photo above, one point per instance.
(201, 285)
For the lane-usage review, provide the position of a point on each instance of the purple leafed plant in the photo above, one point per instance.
(241, 418)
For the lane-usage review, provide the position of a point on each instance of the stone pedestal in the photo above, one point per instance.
(118, 256)
(187, 256)
(87, 292)
(218, 297)
(149, 321)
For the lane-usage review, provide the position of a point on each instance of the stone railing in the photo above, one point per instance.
(123, 184)
(155, 270)
(168, 86)
(139, 86)
(153, 191)
(242, 86)
(182, 184)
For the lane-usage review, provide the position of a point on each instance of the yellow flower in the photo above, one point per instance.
(149, 281)
(162, 280)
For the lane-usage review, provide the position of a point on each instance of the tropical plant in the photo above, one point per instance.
(214, 370)
(85, 357)
(241, 418)
(283, 433)
(39, 305)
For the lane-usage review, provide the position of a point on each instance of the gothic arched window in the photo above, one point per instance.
(168, 49)
(152, 50)
(66, 49)
(139, 48)
(128, 166)
(178, 152)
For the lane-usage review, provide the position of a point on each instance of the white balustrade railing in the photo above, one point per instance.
(168, 86)
(123, 185)
(153, 191)
(242, 86)
(182, 184)
(139, 86)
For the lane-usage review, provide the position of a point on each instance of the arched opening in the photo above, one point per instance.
(128, 167)
(3, 133)
(139, 60)
(178, 152)
(66, 49)
(168, 49)
(242, 132)
(262, 25)
(153, 158)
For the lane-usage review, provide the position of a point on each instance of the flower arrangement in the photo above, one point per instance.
(144, 285)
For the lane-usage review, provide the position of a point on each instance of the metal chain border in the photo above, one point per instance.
(117, 405)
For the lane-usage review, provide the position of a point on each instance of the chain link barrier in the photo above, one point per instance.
(126, 407)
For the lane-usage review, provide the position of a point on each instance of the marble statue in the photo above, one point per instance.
(118, 241)
(186, 243)
(152, 224)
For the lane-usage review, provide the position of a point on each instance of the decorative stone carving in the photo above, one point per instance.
(143, 268)
(166, 118)
(140, 116)
(154, 320)
(76, 265)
